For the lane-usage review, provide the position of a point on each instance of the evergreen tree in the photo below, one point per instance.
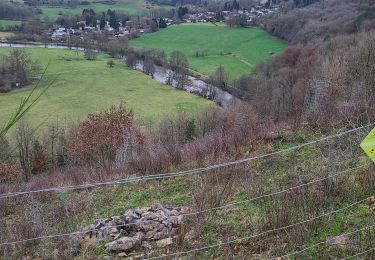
(235, 5)
(88, 20)
(87, 12)
(90, 17)
(226, 6)
(154, 25)
(113, 21)
(102, 22)
(182, 11)
(162, 23)
(219, 16)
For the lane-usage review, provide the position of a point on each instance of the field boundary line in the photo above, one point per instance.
(182, 173)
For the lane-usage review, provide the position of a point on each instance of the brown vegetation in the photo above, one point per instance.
(103, 137)
(327, 81)
(312, 87)
(320, 20)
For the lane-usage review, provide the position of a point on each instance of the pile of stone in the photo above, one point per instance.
(137, 229)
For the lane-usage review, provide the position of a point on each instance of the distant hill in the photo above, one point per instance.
(301, 21)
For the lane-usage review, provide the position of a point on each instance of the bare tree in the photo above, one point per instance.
(220, 78)
(131, 60)
(178, 65)
(362, 69)
(20, 66)
(149, 67)
(24, 136)
(117, 48)
(89, 52)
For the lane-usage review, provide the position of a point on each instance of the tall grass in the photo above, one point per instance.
(25, 105)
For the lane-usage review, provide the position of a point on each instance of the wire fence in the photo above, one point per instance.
(222, 207)
(361, 253)
(262, 233)
(192, 213)
(181, 173)
(325, 242)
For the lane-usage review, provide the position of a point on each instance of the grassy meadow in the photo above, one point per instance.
(4, 23)
(82, 87)
(126, 6)
(237, 49)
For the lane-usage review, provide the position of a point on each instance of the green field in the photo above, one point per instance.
(236, 49)
(126, 6)
(4, 23)
(87, 86)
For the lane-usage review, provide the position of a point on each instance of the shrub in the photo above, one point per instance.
(110, 63)
(105, 138)
(131, 60)
(17, 69)
(90, 54)
(9, 172)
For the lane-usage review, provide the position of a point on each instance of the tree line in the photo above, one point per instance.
(16, 12)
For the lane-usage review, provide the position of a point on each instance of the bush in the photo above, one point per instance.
(131, 60)
(17, 69)
(105, 138)
(90, 54)
(9, 172)
(110, 63)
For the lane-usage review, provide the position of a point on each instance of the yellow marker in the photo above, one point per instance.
(368, 145)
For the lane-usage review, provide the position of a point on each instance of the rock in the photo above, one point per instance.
(115, 219)
(160, 227)
(124, 243)
(99, 224)
(147, 245)
(150, 234)
(176, 220)
(118, 236)
(164, 211)
(174, 212)
(88, 228)
(135, 226)
(75, 244)
(160, 235)
(149, 216)
(133, 230)
(162, 215)
(129, 216)
(139, 212)
(339, 240)
(164, 242)
(156, 207)
(147, 226)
